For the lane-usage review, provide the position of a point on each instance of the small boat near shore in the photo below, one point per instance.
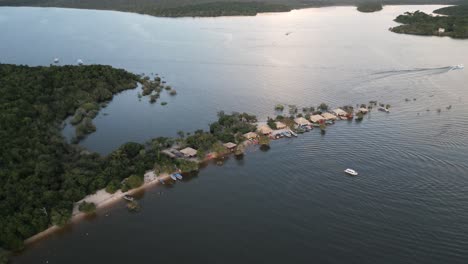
(351, 172)
(173, 177)
(292, 133)
(128, 198)
(178, 176)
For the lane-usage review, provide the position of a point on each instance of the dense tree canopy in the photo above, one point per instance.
(419, 23)
(40, 175)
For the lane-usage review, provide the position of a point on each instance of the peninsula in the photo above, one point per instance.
(44, 181)
(453, 22)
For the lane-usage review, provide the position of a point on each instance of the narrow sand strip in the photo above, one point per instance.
(101, 199)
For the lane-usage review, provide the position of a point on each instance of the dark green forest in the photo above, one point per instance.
(177, 8)
(369, 7)
(219, 9)
(42, 176)
(454, 25)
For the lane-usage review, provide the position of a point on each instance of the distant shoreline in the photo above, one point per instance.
(207, 9)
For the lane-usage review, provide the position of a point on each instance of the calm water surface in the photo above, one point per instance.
(291, 204)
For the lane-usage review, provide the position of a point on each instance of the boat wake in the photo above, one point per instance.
(417, 71)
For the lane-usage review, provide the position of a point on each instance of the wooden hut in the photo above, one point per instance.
(340, 112)
(329, 116)
(280, 125)
(230, 146)
(189, 152)
(363, 110)
(316, 118)
(250, 135)
(265, 130)
(301, 121)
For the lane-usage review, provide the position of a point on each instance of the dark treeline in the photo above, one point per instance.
(176, 8)
(455, 24)
(219, 9)
(368, 7)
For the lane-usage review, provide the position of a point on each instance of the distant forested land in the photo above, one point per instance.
(178, 8)
(369, 7)
(454, 24)
(460, 10)
(219, 9)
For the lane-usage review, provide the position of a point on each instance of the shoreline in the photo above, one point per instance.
(101, 199)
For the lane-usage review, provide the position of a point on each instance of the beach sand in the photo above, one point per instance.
(101, 199)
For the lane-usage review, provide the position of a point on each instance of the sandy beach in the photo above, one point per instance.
(101, 199)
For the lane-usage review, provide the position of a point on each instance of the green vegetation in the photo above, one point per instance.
(271, 123)
(132, 182)
(454, 25)
(230, 128)
(279, 107)
(369, 7)
(215, 9)
(177, 8)
(458, 10)
(4, 256)
(40, 175)
(323, 107)
(86, 207)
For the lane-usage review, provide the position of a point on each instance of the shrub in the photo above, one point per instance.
(86, 207)
(133, 182)
(113, 186)
(279, 107)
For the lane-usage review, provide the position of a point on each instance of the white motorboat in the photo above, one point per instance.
(458, 67)
(351, 172)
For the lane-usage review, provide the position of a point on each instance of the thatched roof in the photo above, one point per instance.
(339, 112)
(190, 152)
(230, 145)
(265, 129)
(250, 135)
(329, 116)
(280, 125)
(363, 110)
(301, 121)
(316, 118)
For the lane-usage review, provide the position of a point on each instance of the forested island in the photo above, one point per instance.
(211, 8)
(453, 23)
(369, 7)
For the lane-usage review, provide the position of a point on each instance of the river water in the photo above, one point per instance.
(291, 204)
